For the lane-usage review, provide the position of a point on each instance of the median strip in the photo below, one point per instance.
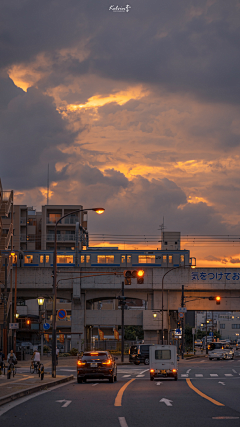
(202, 394)
(118, 400)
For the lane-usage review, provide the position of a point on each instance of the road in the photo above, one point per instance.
(206, 394)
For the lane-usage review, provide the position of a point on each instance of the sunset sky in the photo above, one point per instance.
(135, 111)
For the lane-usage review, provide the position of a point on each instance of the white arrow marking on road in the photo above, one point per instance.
(166, 401)
(219, 382)
(159, 383)
(67, 402)
(187, 372)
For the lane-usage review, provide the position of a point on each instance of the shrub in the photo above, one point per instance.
(74, 351)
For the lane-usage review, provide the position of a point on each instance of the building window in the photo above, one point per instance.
(182, 258)
(64, 259)
(129, 259)
(41, 259)
(47, 258)
(222, 325)
(164, 258)
(105, 259)
(28, 259)
(146, 259)
(88, 259)
(235, 326)
(82, 259)
(123, 259)
(170, 259)
(53, 218)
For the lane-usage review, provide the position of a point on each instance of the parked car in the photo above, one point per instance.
(139, 353)
(198, 343)
(96, 365)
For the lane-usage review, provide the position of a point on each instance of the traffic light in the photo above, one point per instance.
(133, 274)
(28, 323)
(218, 300)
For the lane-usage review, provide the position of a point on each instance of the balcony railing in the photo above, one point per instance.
(23, 220)
(65, 221)
(23, 238)
(61, 237)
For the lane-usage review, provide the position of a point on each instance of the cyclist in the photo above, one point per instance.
(36, 358)
(11, 358)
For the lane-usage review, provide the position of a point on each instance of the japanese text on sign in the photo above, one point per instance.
(215, 276)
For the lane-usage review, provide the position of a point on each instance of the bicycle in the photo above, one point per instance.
(41, 371)
(34, 367)
(11, 369)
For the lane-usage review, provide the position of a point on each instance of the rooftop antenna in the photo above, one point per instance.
(48, 185)
(162, 226)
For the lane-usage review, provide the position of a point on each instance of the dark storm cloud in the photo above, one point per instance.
(30, 132)
(181, 46)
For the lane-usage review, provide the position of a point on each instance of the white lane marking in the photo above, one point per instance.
(159, 383)
(198, 375)
(235, 372)
(228, 375)
(213, 375)
(8, 406)
(202, 361)
(219, 382)
(184, 375)
(125, 376)
(187, 372)
(68, 370)
(122, 422)
(166, 401)
(67, 402)
(144, 371)
(95, 384)
(140, 376)
(225, 418)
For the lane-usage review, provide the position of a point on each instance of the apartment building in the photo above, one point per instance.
(6, 242)
(34, 230)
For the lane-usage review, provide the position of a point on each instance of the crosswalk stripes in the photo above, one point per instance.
(228, 375)
(213, 375)
(207, 375)
(198, 375)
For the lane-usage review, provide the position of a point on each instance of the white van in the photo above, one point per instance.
(163, 361)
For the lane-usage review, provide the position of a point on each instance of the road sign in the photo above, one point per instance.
(62, 314)
(178, 331)
(211, 334)
(13, 325)
(46, 326)
(193, 331)
(181, 315)
(182, 309)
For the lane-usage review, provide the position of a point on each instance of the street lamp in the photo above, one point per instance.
(40, 300)
(98, 211)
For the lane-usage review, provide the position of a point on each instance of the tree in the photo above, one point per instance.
(132, 333)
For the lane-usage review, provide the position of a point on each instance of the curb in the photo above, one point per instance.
(26, 392)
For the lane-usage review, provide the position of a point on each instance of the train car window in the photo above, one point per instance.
(82, 259)
(182, 258)
(164, 258)
(41, 259)
(146, 259)
(47, 258)
(105, 259)
(64, 259)
(123, 259)
(129, 259)
(170, 259)
(28, 259)
(88, 259)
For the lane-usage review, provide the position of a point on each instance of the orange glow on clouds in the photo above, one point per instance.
(120, 98)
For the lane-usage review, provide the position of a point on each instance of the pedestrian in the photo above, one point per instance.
(57, 353)
(2, 357)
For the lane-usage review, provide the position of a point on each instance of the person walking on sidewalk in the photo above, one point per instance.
(57, 353)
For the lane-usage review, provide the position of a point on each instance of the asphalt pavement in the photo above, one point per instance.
(206, 394)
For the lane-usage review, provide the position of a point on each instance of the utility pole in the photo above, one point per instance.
(182, 321)
(122, 308)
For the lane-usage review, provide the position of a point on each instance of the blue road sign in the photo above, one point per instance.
(62, 314)
(46, 326)
(178, 331)
(211, 334)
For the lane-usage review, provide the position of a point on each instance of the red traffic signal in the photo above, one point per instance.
(28, 322)
(218, 300)
(133, 274)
